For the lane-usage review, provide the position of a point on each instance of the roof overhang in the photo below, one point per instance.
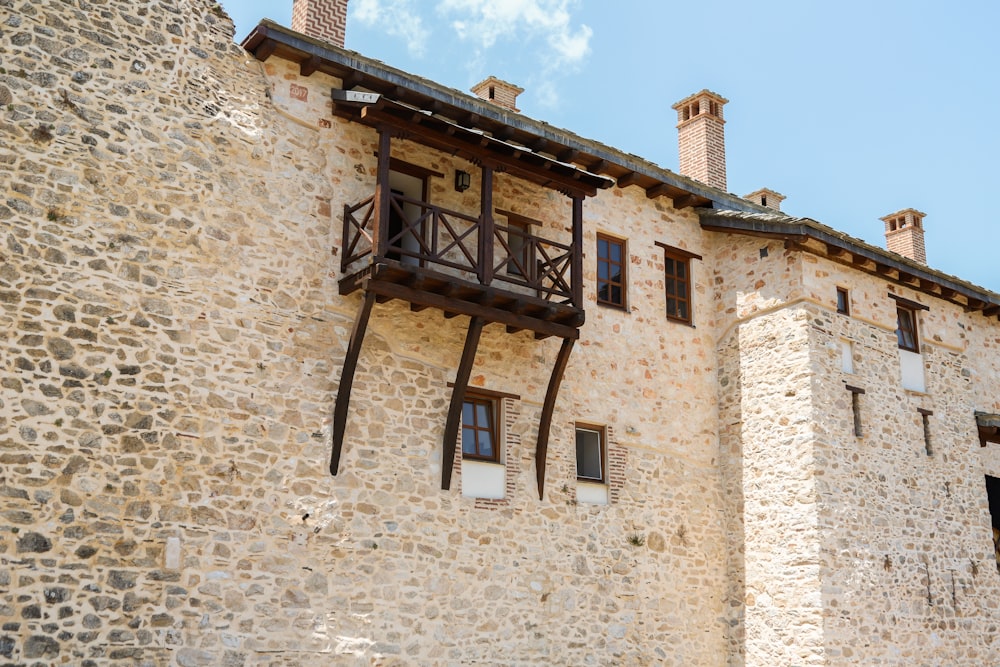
(989, 427)
(810, 236)
(435, 131)
(356, 72)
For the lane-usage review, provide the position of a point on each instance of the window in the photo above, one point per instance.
(521, 257)
(590, 454)
(906, 328)
(610, 271)
(518, 264)
(479, 430)
(843, 301)
(677, 279)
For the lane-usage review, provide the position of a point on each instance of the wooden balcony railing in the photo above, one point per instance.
(435, 238)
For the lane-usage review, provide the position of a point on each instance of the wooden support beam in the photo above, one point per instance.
(265, 50)
(380, 227)
(599, 167)
(539, 144)
(353, 80)
(486, 225)
(454, 421)
(548, 407)
(568, 155)
(631, 178)
(309, 66)
(836, 251)
(457, 306)
(418, 307)
(658, 190)
(992, 310)
(859, 260)
(347, 379)
(576, 260)
(685, 201)
(503, 133)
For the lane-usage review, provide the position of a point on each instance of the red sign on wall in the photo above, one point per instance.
(300, 93)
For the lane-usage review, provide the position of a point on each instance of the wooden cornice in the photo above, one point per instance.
(449, 137)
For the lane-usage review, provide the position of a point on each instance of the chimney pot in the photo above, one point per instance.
(904, 234)
(322, 19)
(498, 92)
(701, 138)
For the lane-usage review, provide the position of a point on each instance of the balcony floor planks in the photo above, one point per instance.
(424, 288)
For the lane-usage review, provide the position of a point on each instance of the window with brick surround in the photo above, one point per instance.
(479, 429)
(611, 271)
(678, 283)
(590, 454)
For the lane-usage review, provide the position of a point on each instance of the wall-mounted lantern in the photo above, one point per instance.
(462, 180)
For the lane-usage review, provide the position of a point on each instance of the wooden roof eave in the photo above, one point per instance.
(988, 426)
(870, 260)
(270, 38)
(444, 135)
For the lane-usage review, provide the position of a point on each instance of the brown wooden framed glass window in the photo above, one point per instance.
(678, 283)
(591, 454)
(906, 328)
(611, 271)
(479, 429)
(843, 301)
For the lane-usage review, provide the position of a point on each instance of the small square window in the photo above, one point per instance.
(610, 271)
(906, 328)
(479, 429)
(590, 454)
(843, 301)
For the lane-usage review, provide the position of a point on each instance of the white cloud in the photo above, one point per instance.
(486, 21)
(397, 18)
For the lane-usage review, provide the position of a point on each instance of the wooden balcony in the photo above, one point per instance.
(399, 247)
(462, 265)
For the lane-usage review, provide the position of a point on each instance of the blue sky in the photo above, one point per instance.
(852, 109)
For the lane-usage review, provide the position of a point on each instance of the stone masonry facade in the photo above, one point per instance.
(170, 231)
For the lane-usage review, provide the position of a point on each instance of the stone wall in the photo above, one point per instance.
(171, 228)
(169, 257)
(847, 549)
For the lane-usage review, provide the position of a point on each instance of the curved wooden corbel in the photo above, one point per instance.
(545, 423)
(458, 398)
(347, 378)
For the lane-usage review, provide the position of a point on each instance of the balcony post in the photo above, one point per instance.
(576, 265)
(486, 227)
(382, 192)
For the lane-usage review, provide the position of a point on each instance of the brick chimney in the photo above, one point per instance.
(768, 198)
(322, 19)
(500, 93)
(701, 138)
(904, 234)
